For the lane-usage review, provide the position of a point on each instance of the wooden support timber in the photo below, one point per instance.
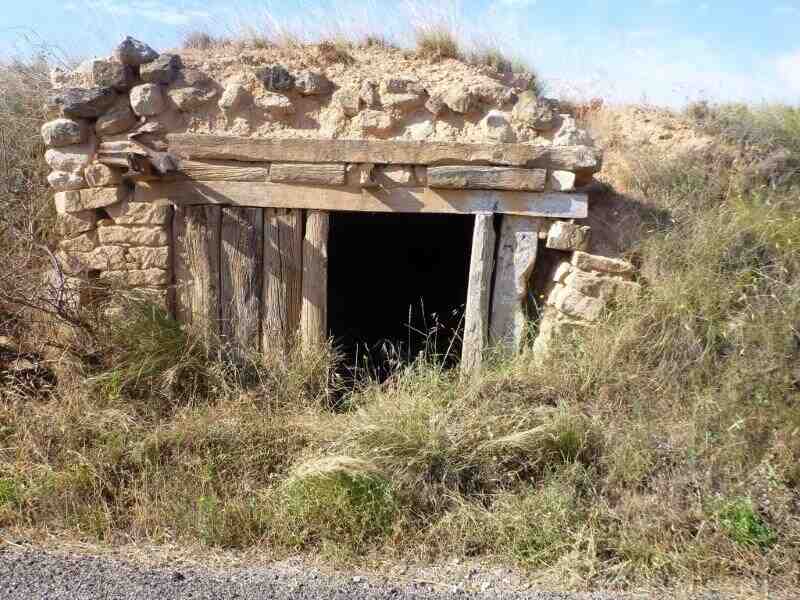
(487, 178)
(314, 312)
(283, 264)
(406, 200)
(516, 257)
(200, 146)
(241, 255)
(476, 315)
(196, 235)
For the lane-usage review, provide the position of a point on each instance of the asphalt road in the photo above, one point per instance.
(34, 574)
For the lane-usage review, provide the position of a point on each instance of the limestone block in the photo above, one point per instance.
(120, 235)
(192, 90)
(277, 105)
(85, 242)
(435, 105)
(102, 258)
(72, 159)
(139, 213)
(108, 73)
(496, 127)
(149, 258)
(73, 201)
(535, 112)
(459, 99)
(567, 236)
(402, 102)
(147, 100)
(80, 103)
(397, 174)
(100, 175)
(311, 83)
(562, 270)
(373, 121)
(64, 132)
(131, 51)
(234, 97)
(276, 78)
(554, 294)
(164, 69)
(574, 304)
(369, 94)
(71, 224)
(561, 181)
(137, 277)
(118, 119)
(570, 135)
(592, 262)
(403, 94)
(62, 181)
(492, 94)
(590, 284)
(348, 99)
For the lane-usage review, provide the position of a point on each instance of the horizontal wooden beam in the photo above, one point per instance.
(222, 170)
(471, 177)
(202, 146)
(404, 200)
(312, 173)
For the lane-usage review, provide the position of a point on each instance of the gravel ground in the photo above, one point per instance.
(32, 574)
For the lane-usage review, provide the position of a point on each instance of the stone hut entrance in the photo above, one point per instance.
(405, 298)
(276, 197)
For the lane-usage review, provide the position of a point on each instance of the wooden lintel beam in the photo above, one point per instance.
(404, 200)
(205, 147)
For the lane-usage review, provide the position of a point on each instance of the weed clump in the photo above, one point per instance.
(437, 43)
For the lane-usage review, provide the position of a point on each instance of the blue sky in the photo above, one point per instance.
(660, 51)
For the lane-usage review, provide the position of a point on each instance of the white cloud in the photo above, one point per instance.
(788, 66)
(148, 9)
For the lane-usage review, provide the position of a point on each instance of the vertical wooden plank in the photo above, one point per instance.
(476, 317)
(516, 257)
(240, 276)
(283, 267)
(314, 313)
(196, 235)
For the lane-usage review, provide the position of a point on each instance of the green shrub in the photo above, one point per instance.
(739, 520)
(339, 499)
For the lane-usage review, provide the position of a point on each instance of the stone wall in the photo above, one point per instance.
(112, 117)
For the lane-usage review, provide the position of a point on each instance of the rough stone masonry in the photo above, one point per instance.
(113, 118)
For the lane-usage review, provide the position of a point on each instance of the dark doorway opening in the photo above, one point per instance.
(397, 286)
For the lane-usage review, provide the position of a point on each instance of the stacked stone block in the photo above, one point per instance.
(581, 288)
(106, 237)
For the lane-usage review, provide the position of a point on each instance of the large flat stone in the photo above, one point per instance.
(132, 235)
(80, 103)
(139, 213)
(64, 132)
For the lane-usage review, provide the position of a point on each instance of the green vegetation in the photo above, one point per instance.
(660, 447)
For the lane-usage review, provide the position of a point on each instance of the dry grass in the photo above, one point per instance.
(437, 43)
(660, 448)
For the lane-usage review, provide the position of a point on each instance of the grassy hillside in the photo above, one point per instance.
(661, 447)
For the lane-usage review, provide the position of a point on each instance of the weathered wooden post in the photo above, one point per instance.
(476, 315)
(516, 257)
(282, 291)
(196, 235)
(314, 311)
(241, 254)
